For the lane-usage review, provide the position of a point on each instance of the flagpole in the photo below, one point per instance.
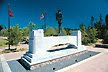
(45, 21)
(8, 27)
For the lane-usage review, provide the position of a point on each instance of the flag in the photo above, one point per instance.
(10, 13)
(42, 16)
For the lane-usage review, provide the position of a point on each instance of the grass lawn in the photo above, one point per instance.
(3, 42)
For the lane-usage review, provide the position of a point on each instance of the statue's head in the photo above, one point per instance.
(59, 11)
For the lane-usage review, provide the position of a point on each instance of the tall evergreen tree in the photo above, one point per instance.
(84, 35)
(100, 20)
(106, 20)
(92, 21)
(100, 27)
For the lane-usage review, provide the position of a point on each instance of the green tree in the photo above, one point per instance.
(32, 26)
(105, 39)
(4, 32)
(84, 35)
(15, 35)
(92, 21)
(100, 19)
(25, 34)
(25, 31)
(50, 31)
(106, 20)
(64, 31)
(98, 27)
(67, 31)
(1, 27)
(88, 35)
(92, 32)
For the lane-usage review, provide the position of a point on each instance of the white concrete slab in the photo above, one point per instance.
(5, 65)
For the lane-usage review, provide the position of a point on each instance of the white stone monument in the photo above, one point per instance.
(39, 46)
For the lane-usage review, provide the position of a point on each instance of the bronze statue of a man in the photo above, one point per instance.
(59, 19)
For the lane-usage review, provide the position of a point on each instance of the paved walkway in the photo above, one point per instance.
(4, 67)
(96, 64)
(13, 56)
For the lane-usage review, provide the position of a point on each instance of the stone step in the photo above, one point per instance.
(29, 54)
(25, 63)
(27, 58)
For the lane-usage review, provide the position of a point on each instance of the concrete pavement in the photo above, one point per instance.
(4, 67)
(96, 64)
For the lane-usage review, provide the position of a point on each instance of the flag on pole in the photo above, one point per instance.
(42, 16)
(10, 13)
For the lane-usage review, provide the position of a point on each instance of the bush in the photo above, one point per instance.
(3, 42)
(51, 31)
(4, 32)
(88, 34)
(15, 35)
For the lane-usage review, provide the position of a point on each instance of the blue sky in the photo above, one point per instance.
(74, 12)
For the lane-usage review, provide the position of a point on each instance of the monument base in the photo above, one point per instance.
(31, 61)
